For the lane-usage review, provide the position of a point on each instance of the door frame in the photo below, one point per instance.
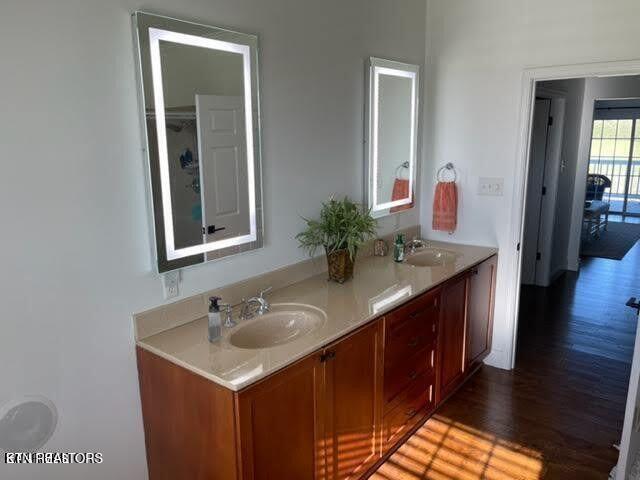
(512, 256)
(530, 244)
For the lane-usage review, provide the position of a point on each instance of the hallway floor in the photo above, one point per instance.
(557, 415)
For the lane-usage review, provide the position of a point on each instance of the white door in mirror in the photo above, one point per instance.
(221, 140)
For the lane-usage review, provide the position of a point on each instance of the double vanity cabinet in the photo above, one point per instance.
(335, 413)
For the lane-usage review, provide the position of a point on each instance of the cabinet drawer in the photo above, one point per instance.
(416, 401)
(405, 370)
(426, 301)
(414, 331)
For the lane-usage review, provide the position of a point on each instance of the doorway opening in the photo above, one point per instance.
(580, 263)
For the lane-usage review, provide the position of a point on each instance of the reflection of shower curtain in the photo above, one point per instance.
(185, 186)
(185, 181)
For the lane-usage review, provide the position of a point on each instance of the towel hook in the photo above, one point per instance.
(447, 167)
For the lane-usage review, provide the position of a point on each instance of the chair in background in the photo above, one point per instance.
(596, 185)
(595, 208)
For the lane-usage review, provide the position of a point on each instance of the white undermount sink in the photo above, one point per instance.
(431, 257)
(284, 323)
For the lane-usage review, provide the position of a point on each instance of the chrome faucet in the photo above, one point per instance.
(261, 304)
(229, 322)
(412, 245)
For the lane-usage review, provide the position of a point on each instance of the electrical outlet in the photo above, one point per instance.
(491, 186)
(171, 284)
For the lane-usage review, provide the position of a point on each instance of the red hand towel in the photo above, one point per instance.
(445, 207)
(400, 191)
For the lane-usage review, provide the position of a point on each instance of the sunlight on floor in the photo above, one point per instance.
(446, 450)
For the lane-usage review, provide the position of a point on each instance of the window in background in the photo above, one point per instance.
(616, 155)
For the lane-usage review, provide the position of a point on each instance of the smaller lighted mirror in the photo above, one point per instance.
(199, 89)
(391, 130)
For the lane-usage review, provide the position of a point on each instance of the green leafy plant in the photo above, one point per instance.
(343, 224)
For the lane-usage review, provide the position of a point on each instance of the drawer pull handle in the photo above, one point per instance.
(327, 356)
(411, 413)
(413, 375)
(413, 342)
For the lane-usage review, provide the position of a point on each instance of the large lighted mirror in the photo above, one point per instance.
(391, 131)
(200, 105)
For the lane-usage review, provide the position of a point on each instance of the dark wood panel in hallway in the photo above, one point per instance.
(557, 415)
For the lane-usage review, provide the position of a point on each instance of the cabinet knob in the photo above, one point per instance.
(413, 375)
(327, 356)
(411, 412)
(413, 342)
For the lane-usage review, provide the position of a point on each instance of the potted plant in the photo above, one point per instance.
(342, 228)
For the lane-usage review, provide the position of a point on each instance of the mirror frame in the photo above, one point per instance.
(376, 67)
(160, 28)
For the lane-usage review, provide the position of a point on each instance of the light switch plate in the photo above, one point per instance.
(491, 186)
(171, 284)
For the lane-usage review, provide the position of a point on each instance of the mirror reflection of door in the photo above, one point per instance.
(221, 132)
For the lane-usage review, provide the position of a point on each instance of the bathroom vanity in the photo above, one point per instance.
(393, 344)
(329, 379)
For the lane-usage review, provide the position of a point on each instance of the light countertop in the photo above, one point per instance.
(378, 286)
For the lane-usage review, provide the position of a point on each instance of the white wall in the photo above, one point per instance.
(594, 89)
(76, 264)
(477, 54)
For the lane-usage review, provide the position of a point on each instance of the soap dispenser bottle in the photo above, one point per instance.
(215, 322)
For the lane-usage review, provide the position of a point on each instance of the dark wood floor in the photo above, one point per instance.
(558, 413)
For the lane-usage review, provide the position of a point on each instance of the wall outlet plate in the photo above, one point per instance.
(171, 284)
(491, 186)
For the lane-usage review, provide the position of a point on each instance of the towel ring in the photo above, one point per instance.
(400, 167)
(448, 167)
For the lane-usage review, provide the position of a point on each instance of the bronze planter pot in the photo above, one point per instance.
(340, 265)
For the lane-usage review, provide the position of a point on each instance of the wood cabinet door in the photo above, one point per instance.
(451, 341)
(480, 310)
(281, 424)
(354, 402)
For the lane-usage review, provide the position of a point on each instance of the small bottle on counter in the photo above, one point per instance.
(215, 322)
(380, 248)
(398, 248)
